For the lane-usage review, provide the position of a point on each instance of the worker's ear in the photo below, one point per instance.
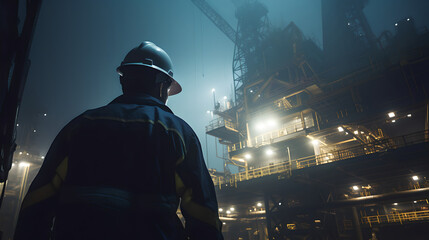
(163, 91)
(161, 85)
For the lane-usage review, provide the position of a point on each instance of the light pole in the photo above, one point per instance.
(214, 98)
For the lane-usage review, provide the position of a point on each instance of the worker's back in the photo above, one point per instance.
(125, 146)
(118, 172)
(128, 150)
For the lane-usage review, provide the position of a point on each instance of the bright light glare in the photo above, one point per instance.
(24, 164)
(315, 142)
(43, 157)
(228, 212)
(271, 123)
(355, 188)
(34, 130)
(396, 204)
(260, 126)
(220, 209)
(356, 132)
(391, 114)
(269, 152)
(409, 115)
(396, 24)
(232, 209)
(225, 98)
(20, 153)
(393, 121)
(213, 90)
(45, 114)
(340, 129)
(241, 160)
(248, 156)
(415, 178)
(259, 204)
(415, 201)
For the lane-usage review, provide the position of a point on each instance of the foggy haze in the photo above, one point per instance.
(78, 45)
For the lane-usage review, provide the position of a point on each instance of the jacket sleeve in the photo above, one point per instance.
(37, 209)
(198, 198)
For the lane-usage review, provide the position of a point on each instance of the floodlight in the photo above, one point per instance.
(24, 164)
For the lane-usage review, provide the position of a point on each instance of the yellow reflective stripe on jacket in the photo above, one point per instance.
(194, 209)
(121, 119)
(49, 189)
(147, 121)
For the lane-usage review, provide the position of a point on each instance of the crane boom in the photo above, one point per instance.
(217, 19)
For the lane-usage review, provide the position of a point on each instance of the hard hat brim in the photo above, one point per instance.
(175, 87)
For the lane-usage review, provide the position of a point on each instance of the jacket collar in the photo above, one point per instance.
(142, 99)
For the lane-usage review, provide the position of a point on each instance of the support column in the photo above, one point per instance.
(356, 223)
(268, 216)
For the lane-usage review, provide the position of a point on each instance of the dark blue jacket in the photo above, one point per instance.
(119, 172)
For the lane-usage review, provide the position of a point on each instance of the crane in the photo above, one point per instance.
(218, 20)
(251, 28)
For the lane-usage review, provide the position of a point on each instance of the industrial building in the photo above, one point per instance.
(330, 143)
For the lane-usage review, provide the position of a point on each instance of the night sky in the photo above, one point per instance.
(78, 45)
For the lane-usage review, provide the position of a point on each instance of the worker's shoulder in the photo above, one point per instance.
(178, 121)
(121, 112)
(157, 114)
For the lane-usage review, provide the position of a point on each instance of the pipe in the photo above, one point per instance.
(413, 194)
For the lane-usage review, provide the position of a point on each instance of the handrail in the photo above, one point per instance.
(220, 122)
(287, 166)
(267, 138)
(396, 217)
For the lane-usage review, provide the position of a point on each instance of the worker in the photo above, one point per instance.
(121, 170)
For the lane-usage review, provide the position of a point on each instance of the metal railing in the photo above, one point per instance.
(218, 123)
(237, 146)
(397, 218)
(269, 137)
(287, 166)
